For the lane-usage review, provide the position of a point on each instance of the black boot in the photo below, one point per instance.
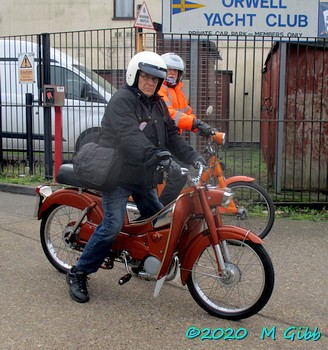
(77, 281)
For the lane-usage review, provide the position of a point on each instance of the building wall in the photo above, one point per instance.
(43, 16)
(21, 17)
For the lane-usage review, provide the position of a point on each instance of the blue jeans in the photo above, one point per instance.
(114, 207)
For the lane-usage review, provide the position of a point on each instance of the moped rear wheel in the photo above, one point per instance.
(255, 208)
(243, 291)
(56, 237)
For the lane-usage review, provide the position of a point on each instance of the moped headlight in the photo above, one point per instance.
(219, 196)
(227, 197)
(219, 138)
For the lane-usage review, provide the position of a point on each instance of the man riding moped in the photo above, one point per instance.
(137, 121)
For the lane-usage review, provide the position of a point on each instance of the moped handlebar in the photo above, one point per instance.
(194, 180)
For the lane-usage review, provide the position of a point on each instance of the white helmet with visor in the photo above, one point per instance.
(148, 62)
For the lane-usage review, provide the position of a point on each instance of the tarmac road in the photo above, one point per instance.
(37, 312)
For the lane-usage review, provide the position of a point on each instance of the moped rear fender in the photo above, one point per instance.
(236, 178)
(202, 240)
(74, 198)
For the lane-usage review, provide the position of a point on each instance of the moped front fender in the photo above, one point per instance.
(237, 178)
(202, 240)
(76, 199)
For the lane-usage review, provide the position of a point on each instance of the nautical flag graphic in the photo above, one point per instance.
(183, 6)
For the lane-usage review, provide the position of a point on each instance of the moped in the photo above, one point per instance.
(226, 268)
(252, 207)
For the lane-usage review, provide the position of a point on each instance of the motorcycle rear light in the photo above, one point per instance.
(44, 191)
(37, 190)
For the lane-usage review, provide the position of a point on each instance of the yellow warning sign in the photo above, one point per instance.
(26, 63)
(26, 68)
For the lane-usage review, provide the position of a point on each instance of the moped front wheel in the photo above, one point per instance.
(240, 291)
(57, 238)
(254, 206)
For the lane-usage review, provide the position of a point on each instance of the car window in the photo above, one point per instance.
(72, 82)
(76, 87)
(105, 84)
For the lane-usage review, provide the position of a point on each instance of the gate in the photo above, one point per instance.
(268, 94)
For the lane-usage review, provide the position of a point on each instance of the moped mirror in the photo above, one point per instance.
(209, 110)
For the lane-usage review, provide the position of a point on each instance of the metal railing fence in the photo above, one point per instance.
(268, 94)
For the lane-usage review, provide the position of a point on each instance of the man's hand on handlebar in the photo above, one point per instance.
(160, 161)
(203, 128)
(163, 165)
(198, 162)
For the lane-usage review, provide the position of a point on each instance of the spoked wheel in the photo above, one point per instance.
(56, 236)
(255, 208)
(245, 287)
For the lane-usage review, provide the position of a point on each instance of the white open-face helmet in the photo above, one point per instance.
(174, 61)
(148, 62)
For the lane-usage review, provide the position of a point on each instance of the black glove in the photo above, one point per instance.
(163, 165)
(198, 161)
(175, 168)
(162, 161)
(159, 156)
(203, 128)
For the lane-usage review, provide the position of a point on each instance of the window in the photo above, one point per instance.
(123, 9)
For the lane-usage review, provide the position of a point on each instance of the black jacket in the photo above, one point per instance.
(135, 125)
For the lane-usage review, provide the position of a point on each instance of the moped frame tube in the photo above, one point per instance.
(216, 170)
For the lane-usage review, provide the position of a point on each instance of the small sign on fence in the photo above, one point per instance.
(26, 68)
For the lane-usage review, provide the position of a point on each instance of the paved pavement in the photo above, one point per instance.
(37, 313)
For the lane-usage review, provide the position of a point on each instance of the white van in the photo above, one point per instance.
(86, 96)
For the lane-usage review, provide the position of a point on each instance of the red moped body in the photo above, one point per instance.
(177, 229)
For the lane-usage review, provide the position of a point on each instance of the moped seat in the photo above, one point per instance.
(67, 176)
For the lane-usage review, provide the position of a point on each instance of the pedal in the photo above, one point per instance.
(124, 279)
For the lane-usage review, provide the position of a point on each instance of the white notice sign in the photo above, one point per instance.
(279, 18)
(143, 19)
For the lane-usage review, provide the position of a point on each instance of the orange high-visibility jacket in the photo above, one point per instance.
(178, 106)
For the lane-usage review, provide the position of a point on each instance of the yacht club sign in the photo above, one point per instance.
(280, 18)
